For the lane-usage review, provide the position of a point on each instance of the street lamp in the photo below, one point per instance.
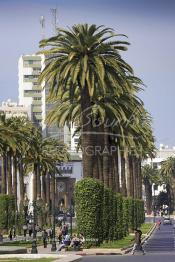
(34, 244)
(53, 248)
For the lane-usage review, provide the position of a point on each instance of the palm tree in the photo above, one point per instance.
(150, 176)
(168, 175)
(8, 144)
(83, 62)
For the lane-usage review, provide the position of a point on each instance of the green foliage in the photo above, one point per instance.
(125, 216)
(103, 215)
(89, 206)
(7, 211)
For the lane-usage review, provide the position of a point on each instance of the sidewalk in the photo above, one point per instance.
(84, 252)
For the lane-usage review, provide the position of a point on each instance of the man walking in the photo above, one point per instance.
(137, 242)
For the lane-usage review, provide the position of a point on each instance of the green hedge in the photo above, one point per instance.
(103, 215)
(89, 206)
(7, 211)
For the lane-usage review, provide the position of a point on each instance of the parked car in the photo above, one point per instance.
(167, 221)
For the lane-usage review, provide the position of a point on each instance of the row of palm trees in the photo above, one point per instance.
(165, 175)
(23, 150)
(95, 89)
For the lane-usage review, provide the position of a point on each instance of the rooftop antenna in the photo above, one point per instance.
(42, 23)
(54, 20)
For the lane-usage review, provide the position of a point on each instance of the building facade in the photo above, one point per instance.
(32, 94)
(162, 154)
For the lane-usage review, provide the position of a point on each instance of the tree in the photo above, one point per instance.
(150, 176)
(168, 174)
(83, 62)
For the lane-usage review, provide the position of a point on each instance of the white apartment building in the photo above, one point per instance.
(31, 93)
(162, 154)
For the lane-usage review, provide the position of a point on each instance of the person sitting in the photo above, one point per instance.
(75, 243)
(65, 242)
(82, 239)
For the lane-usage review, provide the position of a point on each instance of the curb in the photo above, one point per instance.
(127, 250)
(99, 254)
(56, 258)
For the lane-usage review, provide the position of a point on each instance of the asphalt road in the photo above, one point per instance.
(160, 247)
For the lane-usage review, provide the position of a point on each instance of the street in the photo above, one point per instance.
(160, 247)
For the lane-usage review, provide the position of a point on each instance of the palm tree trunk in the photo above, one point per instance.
(123, 175)
(86, 135)
(38, 182)
(9, 172)
(52, 193)
(139, 179)
(21, 182)
(43, 177)
(100, 168)
(4, 174)
(116, 173)
(148, 192)
(106, 158)
(130, 185)
(35, 175)
(111, 174)
(48, 189)
(48, 200)
(15, 179)
(135, 176)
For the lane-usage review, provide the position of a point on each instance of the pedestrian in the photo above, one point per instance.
(14, 231)
(45, 238)
(1, 237)
(30, 230)
(25, 230)
(64, 243)
(51, 235)
(10, 234)
(158, 223)
(137, 242)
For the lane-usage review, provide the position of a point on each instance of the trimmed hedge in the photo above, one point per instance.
(89, 206)
(103, 215)
(7, 211)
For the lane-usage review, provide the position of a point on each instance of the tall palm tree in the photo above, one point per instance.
(84, 60)
(168, 174)
(150, 176)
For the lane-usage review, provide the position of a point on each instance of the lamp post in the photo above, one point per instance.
(53, 248)
(34, 244)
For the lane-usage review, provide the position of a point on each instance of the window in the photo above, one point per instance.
(32, 91)
(36, 98)
(37, 113)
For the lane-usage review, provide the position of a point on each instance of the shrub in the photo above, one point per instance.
(89, 206)
(7, 211)
(103, 215)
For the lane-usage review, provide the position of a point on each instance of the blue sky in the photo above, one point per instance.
(149, 25)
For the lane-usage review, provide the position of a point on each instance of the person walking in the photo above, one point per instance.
(30, 230)
(45, 238)
(137, 242)
(158, 223)
(14, 232)
(10, 234)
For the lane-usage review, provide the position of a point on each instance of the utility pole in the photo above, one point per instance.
(54, 20)
(42, 23)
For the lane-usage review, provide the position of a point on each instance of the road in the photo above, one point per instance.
(160, 247)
